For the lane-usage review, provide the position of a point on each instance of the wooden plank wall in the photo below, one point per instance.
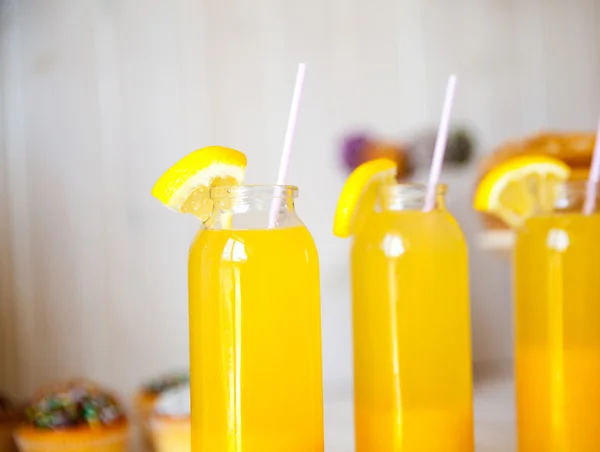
(99, 96)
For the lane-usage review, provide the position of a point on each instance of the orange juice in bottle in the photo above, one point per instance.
(255, 334)
(411, 321)
(556, 301)
(255, 337)
(557, 327)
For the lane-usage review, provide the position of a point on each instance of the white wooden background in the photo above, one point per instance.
(98, 97)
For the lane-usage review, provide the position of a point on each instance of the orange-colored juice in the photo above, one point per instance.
(557, 306)
(255, 341)
(412, 344)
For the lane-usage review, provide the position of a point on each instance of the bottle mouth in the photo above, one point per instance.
(254, 192)
(409, 196)
(575, 186)
(411, 189)
(571, 195)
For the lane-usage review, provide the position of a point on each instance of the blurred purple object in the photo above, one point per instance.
(358, 148)
(351, 150)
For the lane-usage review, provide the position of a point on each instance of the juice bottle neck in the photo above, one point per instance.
(253, 207)
(570, 196)
(410, 197)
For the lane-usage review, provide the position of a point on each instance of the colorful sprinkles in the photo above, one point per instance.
(166, 382)
(73, 404)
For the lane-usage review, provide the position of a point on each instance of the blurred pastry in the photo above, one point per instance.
(170, 422)
(358, 149)
(73, 416)
(409, 155)
(147, 396)
(460, 148)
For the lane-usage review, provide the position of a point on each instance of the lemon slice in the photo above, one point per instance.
(520, 188)
(359, 195)
(185, 187)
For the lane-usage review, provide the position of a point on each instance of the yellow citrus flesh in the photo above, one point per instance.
(520, 188)
(185, 187)
(359, 195)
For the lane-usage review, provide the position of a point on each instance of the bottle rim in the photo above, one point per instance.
(576, 185)
(411, 188)
(254, 191)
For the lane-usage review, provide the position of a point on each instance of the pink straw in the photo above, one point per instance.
(590, 196)
(287, 144)
(440, 145)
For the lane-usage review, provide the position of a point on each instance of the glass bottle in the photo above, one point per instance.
(255, 330)
(411, 316)
(557, 327)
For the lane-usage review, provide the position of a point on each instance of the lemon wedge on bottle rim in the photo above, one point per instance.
(359, 195)
(185, 187)
(520, 188)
